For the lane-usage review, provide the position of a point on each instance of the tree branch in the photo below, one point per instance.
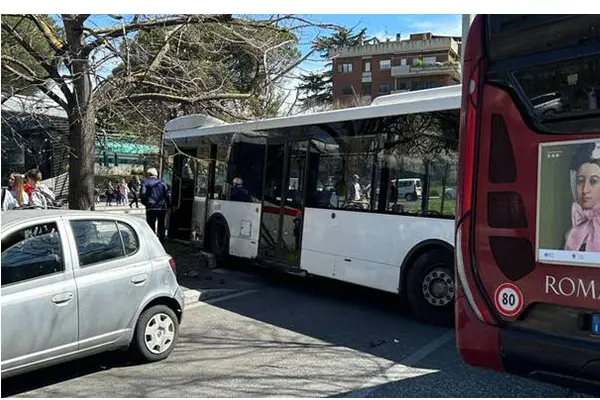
(103, 35)
(22, 65)
(37, 82)
(53, 41)
(187, 100)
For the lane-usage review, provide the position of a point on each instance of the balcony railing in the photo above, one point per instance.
(432, 69)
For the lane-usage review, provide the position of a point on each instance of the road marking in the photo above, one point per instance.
(201, 303)
(403, 369)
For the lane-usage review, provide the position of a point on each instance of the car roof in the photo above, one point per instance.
(14, 217)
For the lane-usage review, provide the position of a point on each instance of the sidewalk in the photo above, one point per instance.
(122, 209)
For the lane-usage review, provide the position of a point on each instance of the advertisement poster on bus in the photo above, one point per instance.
(569, 203)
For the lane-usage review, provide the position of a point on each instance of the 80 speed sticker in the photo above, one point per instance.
(508, 299)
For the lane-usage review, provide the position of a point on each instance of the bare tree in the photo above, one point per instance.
(157, 64)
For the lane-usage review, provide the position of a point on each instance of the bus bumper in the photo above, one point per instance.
(563, 361)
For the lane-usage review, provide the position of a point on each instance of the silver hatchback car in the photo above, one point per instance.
(76, 283)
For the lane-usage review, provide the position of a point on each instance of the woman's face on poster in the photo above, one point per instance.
(588, 185)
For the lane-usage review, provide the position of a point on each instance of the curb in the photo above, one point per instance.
(193, 296)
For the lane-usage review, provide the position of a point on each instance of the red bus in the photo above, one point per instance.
(528, 206)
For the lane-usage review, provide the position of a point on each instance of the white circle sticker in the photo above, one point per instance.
(508, 299)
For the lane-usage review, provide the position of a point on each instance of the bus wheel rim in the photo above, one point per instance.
(438, 287)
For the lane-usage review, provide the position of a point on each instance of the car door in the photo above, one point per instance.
(112, 273)
(39, 296)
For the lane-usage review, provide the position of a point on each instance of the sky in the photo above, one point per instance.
(384, 26)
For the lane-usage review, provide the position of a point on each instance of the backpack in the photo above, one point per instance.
(50, 202)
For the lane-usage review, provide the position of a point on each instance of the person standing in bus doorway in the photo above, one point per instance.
(584, 234)
(156, 197)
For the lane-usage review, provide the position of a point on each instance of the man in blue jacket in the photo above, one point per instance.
(156, 197)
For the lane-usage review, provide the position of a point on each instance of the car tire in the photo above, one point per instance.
(148, 344)
(430, 287)
(218, 240)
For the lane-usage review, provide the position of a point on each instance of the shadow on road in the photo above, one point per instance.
(63, 372)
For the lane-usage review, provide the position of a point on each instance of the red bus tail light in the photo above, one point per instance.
(474, 63)
(172, 265)
(466, 279)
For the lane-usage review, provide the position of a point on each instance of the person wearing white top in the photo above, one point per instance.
(10, 197)
(357, 190)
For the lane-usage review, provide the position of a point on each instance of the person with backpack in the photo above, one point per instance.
(41, 196)
(156, 197)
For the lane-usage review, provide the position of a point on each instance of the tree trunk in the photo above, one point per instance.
(82, 119)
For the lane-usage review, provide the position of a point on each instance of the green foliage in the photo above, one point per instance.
(26, 28)
(316, 87)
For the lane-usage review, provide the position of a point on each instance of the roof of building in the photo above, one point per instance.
(36, 103)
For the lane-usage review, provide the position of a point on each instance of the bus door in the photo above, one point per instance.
(182, 196)
(283, 201)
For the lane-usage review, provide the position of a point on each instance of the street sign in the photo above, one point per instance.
(508, 299)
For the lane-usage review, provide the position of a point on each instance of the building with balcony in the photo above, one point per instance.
(374, 68)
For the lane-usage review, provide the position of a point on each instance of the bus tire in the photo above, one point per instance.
(218, 240)
(430, 287)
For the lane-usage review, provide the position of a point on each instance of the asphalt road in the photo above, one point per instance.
(265, 334)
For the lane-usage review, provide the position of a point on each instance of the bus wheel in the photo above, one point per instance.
(218, 239)
(430, 287)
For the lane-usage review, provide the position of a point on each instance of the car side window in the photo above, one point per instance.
(31, 252)
(97, 241)
(130, 239)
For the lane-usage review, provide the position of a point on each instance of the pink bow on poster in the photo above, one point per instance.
(586, 229)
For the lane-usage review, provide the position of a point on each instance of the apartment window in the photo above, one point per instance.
(401, 85)
(385, 88)
(367, 66)
(429, 60)
(346, 67)
(366, 89)
(385, 64)
(347, 91)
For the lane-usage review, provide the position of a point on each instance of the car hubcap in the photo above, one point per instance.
(438, 287)
(159, 333)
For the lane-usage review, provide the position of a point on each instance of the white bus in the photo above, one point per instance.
(319, 193)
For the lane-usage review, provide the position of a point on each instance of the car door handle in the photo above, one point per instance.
(138, 279)
(62, 298)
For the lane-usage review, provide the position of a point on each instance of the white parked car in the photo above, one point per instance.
(409, 189)
(76, 283)
(450, 194)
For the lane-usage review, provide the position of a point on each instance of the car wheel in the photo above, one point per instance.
(156, 333)
(430, 287)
